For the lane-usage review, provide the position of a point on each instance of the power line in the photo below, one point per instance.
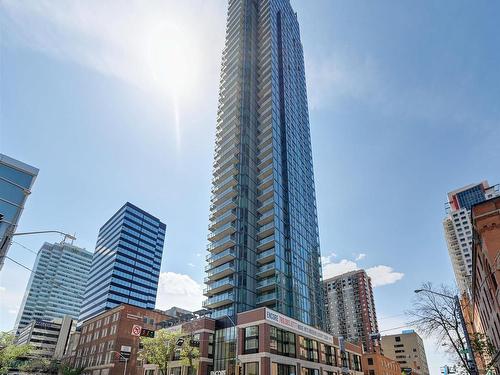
(19, 264)
(25, 247)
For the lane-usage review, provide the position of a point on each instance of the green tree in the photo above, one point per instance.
(40, 365)
(11, 354)
(190, 354)
(66, 369)
(166, 347)
(160, 350)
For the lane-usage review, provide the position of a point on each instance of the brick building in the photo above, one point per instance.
(107, 338)
(350, 307)
(486, 272)
(376, 363)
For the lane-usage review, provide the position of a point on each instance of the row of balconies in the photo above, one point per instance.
(224, 230)
(219, 300)
(219, 286)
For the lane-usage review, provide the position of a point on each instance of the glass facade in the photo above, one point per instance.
(126, 263)
(57, 284)
(264, 244)
(16, 181)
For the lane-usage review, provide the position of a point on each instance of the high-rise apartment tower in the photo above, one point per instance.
(350, 308)
(458, 228)
(126, 263)
(56, 285)
(264, 245)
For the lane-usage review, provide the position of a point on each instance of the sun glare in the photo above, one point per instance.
(173, 60)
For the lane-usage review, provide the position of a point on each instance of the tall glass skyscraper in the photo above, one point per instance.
(57, 284)
(264, 245)
(16, 180)
(126, 263)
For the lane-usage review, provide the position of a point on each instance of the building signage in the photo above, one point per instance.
(136, 330)
(220, 372)
(286, 322)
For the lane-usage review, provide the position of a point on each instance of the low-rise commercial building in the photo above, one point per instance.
(259, 342)
(486, 273)
(376, 363)
(48, 338)
(408, 350)
(110, 337)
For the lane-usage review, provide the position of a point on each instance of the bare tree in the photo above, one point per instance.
(439, 317)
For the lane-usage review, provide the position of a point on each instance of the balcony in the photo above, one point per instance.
(266, 193)
(266, 230)
(225, 172)
(266, 205)
(266, 284)
(231, 192)
(221, 185)
(219, 300)
(219, 210)
(265, 243)
(266, 182)
(264, 151)
(223, 257)
(222, 244)
(266, 270)
(266, 217)
(266, 171)
(220, 271)
(266, 256)
(229, 157)
(219, 286)
(268, 298)
(222, 219)
(226, 229)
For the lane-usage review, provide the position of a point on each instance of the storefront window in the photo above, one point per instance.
(281, 369)
(309, 371)
(252, 368)
(210, 346)
(282, 342)
(251, 339)
(308, 349)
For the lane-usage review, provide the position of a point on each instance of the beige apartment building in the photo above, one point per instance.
(408, 350)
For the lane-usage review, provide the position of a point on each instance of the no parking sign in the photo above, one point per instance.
(136, 330)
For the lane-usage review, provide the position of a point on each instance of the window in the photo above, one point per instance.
(210, 345)
(251, 368)
(251, 339)
(370, 361)
(281, 369)
(397, 339)
(112, 330)
(282, 342)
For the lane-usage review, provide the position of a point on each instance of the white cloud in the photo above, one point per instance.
(191, 264)
(380, 275)
(360, 257)
(383, 275)
(334, 269)
(179, 290)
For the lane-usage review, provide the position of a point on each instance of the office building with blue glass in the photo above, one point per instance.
(264, 243)
(16, 181)
(126, 263)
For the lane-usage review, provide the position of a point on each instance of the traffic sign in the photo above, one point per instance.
(136, 330)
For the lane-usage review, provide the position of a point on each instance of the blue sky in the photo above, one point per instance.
(117, 103)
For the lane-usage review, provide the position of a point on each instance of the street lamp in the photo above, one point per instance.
(66, 235)
(472, 359)
(125, 358)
